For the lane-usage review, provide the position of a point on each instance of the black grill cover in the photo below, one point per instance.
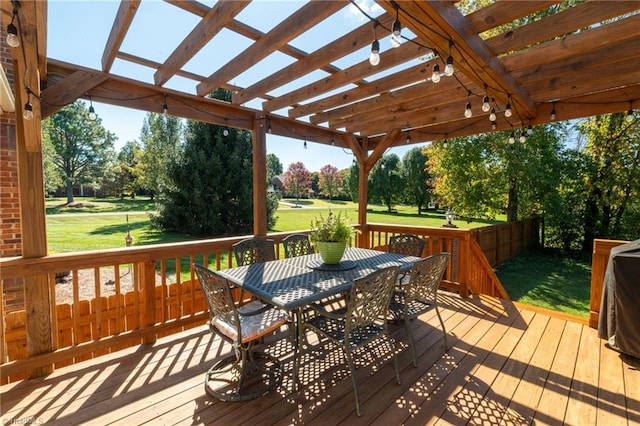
(619, 321)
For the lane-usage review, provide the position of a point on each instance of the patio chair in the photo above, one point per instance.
(297, 245)
(245, 374)
(253, 250)
(420, 294)
(407, 244)
(361, 321)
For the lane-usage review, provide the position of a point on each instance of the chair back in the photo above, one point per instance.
(253, 250)
(426, 275)
(222, 308)
(297, 245)
(369, 298)
(406, 244)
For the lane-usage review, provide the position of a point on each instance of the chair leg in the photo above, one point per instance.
(444, 331)
(395, 358)
(354, 379)
(411, 342)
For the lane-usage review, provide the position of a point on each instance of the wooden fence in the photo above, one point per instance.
(163, 298)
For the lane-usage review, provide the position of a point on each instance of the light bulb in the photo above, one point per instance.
(448, 69)
(165, 108)
(12, 35)
(467, 111)
(225, 132)
(507, 110)
(92, 113)
(629, 116)
(493, 125)
(435, 76)
(269, 129)
(374, 58)
(28, 111)
(305, 145)
(529, 130)
(485, 104)
(492, 116)
(553, 114)
(512, 138)
(523, 138)
(395, 41)
(397, 28)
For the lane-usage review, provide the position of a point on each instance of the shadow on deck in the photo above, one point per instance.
(507, 365)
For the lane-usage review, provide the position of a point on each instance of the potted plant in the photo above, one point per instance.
(331, 234)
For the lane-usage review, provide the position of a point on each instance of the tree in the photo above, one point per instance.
(297, 179)
(274, 167)
(352, 181)
(613, 177)
(417, 179)
(330, 181)
(209, 189)
(161, 138)
(83, 148)
(52, 175)
(127, 169)
(385, 180)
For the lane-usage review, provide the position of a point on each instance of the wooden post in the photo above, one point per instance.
(149, 286)
(363, 188)
(32, 210)
(259, 177)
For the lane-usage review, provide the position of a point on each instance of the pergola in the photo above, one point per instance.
(574, 62)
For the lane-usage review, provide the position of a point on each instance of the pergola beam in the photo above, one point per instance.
(212, 22)
(124, 17)
(300, 21)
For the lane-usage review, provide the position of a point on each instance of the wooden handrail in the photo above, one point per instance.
(599, 261)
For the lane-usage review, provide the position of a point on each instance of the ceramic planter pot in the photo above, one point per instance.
(331, 251)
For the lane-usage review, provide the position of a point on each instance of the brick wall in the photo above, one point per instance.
(10, 229)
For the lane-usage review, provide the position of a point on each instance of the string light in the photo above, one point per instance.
(629, 116)
(165, 107)
(448, 69)
(12, 32)
(529, 129)
(523, 137)
(305, 144)
(507, 110)
(552, 116)
(467, 110)
(485, 101)
(492, 116)
(396, 38)
(225, 132)
(374, 58)
(28, 110)
(512, 138)
(494, 125)
(408, 141)
(435, 76)
(92, 111)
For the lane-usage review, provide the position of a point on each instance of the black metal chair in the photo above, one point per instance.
(407, 244)
(361, 321)
(245, 374)
(297, 245)
(254, 250)
(420, 294)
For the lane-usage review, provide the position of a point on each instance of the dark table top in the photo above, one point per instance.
(297, 281)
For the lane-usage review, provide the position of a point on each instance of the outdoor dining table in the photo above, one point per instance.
(296, 282)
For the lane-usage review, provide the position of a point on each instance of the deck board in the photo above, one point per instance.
(506, 364)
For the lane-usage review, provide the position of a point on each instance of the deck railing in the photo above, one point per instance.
(162, 295)
(599, 261)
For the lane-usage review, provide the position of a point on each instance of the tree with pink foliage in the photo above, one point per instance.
(297, 179)
(330, 181)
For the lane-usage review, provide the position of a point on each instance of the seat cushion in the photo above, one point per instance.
(252, 326)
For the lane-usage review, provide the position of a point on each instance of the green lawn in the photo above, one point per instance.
(542, 279)
(550, 280)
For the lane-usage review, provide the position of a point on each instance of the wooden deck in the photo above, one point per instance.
(507, 365)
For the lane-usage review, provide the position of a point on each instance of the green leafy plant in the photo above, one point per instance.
(333, 227)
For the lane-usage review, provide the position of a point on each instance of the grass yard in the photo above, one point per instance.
(549, 279)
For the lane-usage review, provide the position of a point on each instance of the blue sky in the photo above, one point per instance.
(76, 27)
